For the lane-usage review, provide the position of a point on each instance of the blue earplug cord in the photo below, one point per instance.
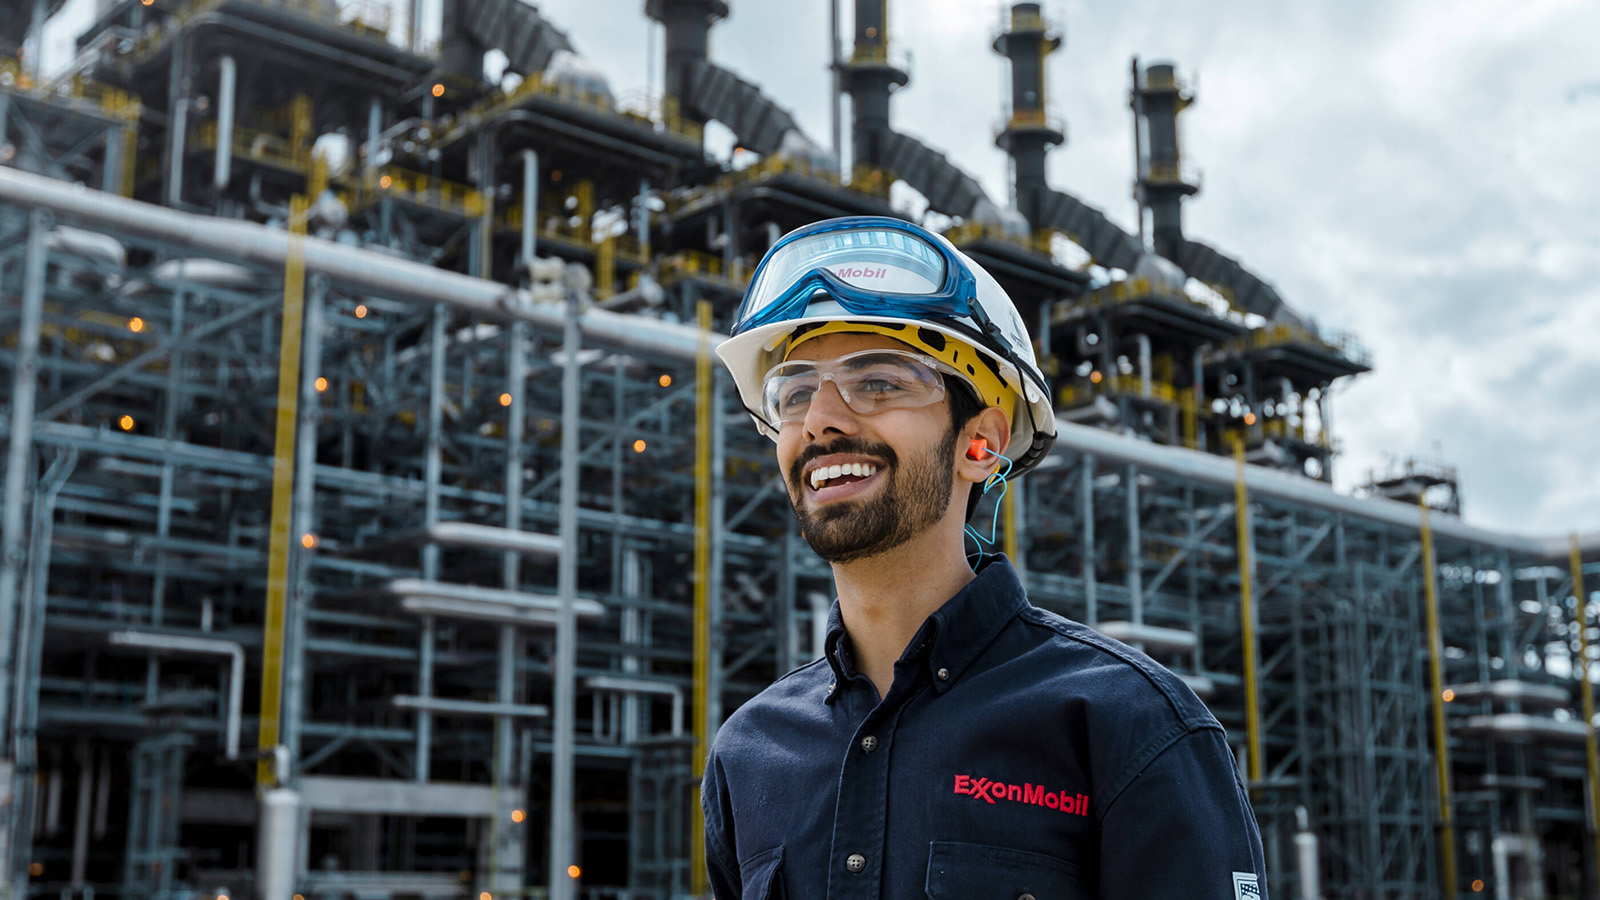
(998, 476)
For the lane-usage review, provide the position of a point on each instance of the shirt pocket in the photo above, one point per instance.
(961, 871)
(760, 875)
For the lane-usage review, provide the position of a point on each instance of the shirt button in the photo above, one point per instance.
(869, 743)
(831, 686)
(855, 862)
(1025, 897)
(944, 674)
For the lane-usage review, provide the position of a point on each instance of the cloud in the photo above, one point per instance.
(1420, 174)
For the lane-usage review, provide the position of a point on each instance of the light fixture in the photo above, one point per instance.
(638, 446)
(438, 89)
(573, 871)
(505, 399)
(665, 381)
(308, 540)
(361, 311)
(126, 422)
(135, 324)
(322, 384)
(518, 815)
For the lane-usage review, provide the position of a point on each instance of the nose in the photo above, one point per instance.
(828, 412)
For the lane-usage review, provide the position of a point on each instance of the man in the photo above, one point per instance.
(955, 742)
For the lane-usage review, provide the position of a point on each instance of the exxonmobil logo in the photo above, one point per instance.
(862, 272)
(1036, 795)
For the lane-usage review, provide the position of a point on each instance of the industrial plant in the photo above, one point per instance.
(376, 522)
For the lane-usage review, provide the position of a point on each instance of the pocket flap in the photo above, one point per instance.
(961, 871)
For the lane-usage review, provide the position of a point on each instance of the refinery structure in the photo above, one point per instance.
(375, 523)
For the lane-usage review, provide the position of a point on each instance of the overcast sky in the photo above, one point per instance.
(1423, 174)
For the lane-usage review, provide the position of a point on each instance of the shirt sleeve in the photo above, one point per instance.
(1183, 827)
(722, 868)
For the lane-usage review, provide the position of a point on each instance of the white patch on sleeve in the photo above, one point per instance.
(1245, 886)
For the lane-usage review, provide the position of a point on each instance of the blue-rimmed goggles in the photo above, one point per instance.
(869, 265)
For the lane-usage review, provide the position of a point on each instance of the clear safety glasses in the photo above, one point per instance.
(870, 265)
(870, 381)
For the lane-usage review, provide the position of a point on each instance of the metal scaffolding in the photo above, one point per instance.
(422, 427)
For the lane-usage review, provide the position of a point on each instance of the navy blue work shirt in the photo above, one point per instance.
(1018, 754)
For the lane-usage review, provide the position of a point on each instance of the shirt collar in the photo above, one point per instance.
(956, 632)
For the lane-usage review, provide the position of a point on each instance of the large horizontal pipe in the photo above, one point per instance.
(205, 646)
(1269, 483)
(390, 276)
(1523, 727)
(1153, 637)
(470, 707)
(470, 535)
(1525, 692)
(377, 273)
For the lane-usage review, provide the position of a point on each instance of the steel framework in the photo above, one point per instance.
(276, 406)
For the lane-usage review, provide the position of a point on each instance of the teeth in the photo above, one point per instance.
(824, 474)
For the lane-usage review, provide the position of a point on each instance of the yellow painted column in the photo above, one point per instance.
(1586, 693)
(1441, 739)
(702, 589)
(1255, 765)
(294, 286)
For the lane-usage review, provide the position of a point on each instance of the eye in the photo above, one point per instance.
(879, 385)
(791, 397)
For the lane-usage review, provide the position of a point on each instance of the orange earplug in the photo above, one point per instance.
(977, 448)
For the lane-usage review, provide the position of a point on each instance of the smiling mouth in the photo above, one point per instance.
(847, 473)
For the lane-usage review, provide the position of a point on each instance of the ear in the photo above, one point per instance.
(994, 429)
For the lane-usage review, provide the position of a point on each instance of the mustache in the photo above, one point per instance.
(842, 445)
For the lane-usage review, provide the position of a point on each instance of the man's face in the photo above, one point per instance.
(908, 452)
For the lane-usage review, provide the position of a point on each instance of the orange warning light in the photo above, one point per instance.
(385, 181)
(308, 540)
(1449, 695)
(438, 90)
(505, 399)
(574, 871)
(665, 381)
(1249, 418)
(361, 311)
(322, 384)
(135, 324)
(638, 446)
(126, 423)
(1477, 885)
(1095, 377)
(518, 815)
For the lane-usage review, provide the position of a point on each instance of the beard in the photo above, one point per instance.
(912, 499)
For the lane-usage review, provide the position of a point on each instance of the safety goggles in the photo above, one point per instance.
(872, 266)
(870, 381)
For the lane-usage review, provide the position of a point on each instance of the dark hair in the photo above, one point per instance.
(964, 404)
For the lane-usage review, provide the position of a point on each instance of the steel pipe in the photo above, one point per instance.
(623, 685)
(227, 87)
(367, 270)
(1153, 636)
(1525, 727)
(1526, 693)
(470, 707)
(382, 274)
(178, 643)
